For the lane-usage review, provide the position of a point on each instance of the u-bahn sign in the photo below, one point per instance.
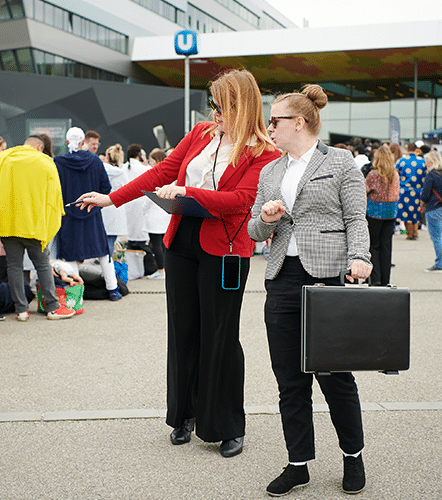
(186, 42)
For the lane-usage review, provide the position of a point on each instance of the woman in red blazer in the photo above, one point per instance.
(217, 163)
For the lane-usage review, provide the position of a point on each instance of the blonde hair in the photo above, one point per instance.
(307, 104)
(239, 97)
(435, 159)
(384, 163)
(115, 155)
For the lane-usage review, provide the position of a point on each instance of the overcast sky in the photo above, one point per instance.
(321, 13)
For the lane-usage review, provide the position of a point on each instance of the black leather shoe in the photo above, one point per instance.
(232, 447)
(294, 476)
(181, 434)
(354, 475)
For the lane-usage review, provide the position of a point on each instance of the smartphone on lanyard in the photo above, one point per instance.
(231, 272)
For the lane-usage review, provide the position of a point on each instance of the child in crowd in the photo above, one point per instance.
(65, 271)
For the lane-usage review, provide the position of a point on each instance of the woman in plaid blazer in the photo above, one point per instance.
(313, 202)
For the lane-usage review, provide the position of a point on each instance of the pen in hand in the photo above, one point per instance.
(72, 203)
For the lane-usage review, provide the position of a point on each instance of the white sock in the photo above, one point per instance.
(298, 464)
(355, 455)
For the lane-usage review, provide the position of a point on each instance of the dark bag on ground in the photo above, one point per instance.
(94, 284)
(351, 328)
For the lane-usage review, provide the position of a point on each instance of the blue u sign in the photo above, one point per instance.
(186, 42)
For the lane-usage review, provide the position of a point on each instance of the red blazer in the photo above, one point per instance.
(235, 195)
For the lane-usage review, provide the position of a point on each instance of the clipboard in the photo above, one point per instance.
(181, 205)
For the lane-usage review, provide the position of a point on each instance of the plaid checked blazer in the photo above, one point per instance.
(328, 216)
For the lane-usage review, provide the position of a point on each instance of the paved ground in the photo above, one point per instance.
(82, 406)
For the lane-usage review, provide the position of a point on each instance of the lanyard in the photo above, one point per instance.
(216, 189)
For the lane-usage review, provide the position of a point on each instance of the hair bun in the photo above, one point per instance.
(316, 94)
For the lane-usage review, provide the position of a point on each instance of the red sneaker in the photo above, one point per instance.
(61, 313)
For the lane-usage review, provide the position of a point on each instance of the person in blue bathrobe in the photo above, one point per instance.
(82, 234)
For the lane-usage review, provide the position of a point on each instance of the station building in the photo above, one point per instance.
(110, 66)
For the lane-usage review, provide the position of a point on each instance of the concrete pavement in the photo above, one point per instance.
(82, 406)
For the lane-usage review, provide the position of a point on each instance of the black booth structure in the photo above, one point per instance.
(120, 112)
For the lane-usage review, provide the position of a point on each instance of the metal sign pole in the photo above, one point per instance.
(186, 95)
(186, 43)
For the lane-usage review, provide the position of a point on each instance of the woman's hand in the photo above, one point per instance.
(360, 270)
(93, 199)
(170, 191)
(272, 211)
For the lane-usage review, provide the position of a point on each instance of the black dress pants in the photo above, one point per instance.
(205, 361)
(381, 235)
(283, 321)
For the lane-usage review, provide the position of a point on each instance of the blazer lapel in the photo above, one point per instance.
(231, 171)
(279, 172)
(315, 162)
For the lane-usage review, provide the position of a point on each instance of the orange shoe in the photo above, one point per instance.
(61, 313)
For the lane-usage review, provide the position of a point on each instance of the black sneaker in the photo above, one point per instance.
(354, 475)
(292, 477)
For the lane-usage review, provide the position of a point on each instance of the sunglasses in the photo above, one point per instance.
(214, 106)
(275, 119)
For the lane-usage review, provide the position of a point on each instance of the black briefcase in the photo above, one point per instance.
(355, 327)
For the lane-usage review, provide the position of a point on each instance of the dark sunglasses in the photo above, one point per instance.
(275, 119)
(214, 106)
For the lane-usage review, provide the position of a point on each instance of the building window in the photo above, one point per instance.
(198, 17)
(62, 19)
(164, 9)
(28, 60)
(11, 9)
(267, 22)
(8, 61)
(241, 11)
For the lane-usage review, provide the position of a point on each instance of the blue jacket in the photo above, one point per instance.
(82, 234)
(433, 180)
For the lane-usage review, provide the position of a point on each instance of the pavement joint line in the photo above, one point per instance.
(147, 413)
(162, 292)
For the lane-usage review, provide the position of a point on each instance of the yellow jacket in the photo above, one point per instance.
(31, 203)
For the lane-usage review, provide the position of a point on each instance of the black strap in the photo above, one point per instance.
(216, 189)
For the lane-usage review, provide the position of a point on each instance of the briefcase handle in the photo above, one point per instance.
(347, 272)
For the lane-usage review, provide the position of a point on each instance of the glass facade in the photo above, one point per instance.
(268, 23)
(241, 11)
(29, 60)
(373, 119)
(164, 9)
(11, 9)
(65, 20)
(197, 19)
(202, 22)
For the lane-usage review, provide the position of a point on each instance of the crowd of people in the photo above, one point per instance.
(42, 228)
(401, 196)
(325, 208)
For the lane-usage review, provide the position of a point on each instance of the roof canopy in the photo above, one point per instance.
(358, 63)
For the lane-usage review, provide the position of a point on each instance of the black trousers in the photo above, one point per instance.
(156, 241)
(205, 360)
(283, 321)
(381, 235)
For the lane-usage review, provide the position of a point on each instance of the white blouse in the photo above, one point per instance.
(199, 170)
(289, 186)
